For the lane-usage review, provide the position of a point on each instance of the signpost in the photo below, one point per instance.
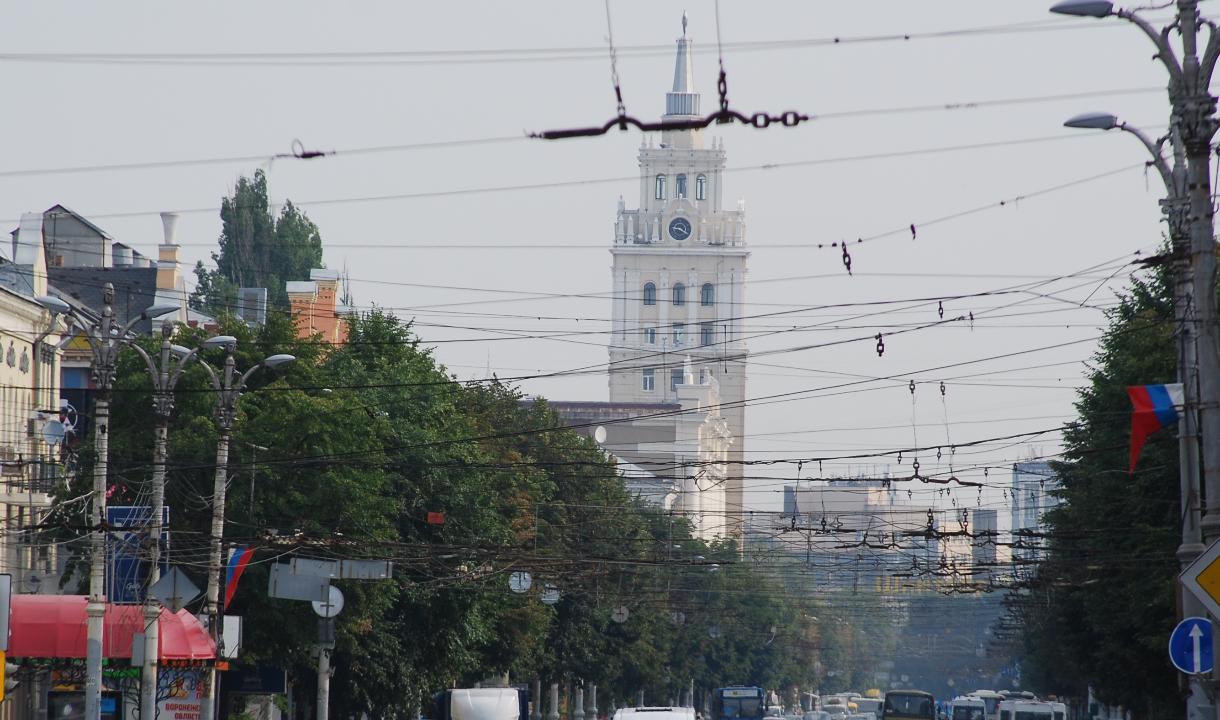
(1190, 646)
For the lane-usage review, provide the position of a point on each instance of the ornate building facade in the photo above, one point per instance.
(679, 279)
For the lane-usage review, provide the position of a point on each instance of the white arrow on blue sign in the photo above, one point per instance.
(1190, 646)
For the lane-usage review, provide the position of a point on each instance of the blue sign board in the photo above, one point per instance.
(127, 554)
(1190, 646)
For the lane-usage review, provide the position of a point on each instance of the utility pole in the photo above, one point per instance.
(106, 338)
(1188, 209)
(171, 362)
(228, 390)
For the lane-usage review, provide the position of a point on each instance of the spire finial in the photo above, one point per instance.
(683, 23)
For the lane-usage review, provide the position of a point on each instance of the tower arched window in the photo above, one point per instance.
(680, 186)
(660, 193)
(650, 294)
(679, 294)
(707, 295)
(701, 187)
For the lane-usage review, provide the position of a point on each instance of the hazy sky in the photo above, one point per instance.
(541, 265)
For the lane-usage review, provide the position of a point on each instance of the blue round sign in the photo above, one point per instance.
(1190, 646)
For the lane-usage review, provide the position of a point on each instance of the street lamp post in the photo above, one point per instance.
(165, 372)
(106, 337)
(228, 389)
(1176, 208)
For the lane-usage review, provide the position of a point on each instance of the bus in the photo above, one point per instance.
(909, 705)
(738, 703)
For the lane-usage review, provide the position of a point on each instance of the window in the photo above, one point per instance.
(679, 333)
(675, 379)
(650, 336)
(650, 294)
(680, 187)
(707, 333)
(707, 295)
(701, 187)
(650, 380)
(660, 194)
(679, 294)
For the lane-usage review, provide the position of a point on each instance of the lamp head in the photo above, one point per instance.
(1093, 121)
(157, 311)
(278, 360)
(179, 350)
(53, 304)
(219, 341)
(1084, 8)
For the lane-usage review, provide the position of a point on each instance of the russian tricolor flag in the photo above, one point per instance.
(1156, 406)
(239, 558)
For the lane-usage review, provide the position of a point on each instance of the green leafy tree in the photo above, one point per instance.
(257, 249)
(1099, 610)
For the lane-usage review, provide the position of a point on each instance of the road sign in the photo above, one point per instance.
(333, 605)
(282, 583)
(620, 614)
(1190, 646)
(174, 590)
(520, 582)
(1202, 579)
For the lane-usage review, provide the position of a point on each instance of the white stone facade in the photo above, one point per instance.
(679, 276)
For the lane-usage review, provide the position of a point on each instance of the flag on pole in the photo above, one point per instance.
(1156, 406)
(238, 559)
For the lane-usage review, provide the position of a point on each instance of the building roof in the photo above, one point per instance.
(81, 218)
(135, 289)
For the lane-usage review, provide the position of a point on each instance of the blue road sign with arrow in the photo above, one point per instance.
(1190, 646)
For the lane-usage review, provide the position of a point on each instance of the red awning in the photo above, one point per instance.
(53, 626)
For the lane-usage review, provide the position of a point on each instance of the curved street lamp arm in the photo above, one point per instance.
(1161, 39)
(152, 367)
(241, 383)
(1158, 158)
(1208, 64)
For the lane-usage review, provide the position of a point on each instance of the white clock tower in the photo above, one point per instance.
(679, 277)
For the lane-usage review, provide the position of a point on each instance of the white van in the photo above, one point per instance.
(1023, 709)
(967, 708)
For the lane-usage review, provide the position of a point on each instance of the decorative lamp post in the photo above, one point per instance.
(106, 337)
(229, 386)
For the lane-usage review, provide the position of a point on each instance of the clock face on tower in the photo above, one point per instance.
(679, 228)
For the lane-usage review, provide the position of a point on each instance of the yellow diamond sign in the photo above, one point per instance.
(1202, 579)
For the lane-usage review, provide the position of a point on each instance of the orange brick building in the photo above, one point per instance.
(315, 307)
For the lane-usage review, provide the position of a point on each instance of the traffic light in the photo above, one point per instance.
(7, 682)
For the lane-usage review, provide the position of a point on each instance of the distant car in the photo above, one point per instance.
(861, 716)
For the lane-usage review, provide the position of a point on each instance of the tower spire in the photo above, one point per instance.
(683, 100)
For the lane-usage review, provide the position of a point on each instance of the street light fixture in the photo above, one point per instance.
(1092, 121)
(1084, 8)
(106, 337)
(229, 386)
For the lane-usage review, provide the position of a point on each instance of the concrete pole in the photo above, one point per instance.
(593, 702)
(578, 707)
(640, 703)
(536, 713)
(554, 712)
(212, 609)
(95, 610)
(152, 609)
(323, 683)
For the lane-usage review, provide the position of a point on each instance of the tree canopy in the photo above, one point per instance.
(1099, 610)
(257, 249)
